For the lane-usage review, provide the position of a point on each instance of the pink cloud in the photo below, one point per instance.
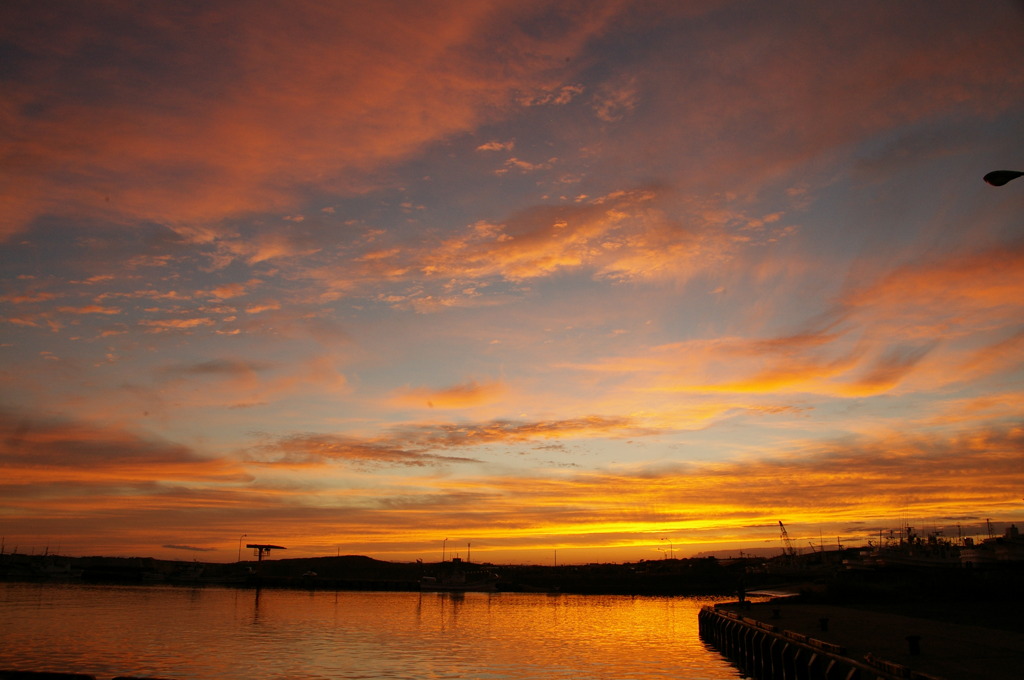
(238, 112)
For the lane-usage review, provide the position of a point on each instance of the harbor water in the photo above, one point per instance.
(217, 633)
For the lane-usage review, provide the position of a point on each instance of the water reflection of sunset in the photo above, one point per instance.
(274, 633)
(353, 279)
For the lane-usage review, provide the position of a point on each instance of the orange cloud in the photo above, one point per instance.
(163, 325)
(497, 146)
(951, 296)
(793, 363)
(233, 290)
(908, 326)
(64, 452)
(29, 297)
(621, 235)
(635, 236)
(265, 307)
(458, 396)
(90, 309)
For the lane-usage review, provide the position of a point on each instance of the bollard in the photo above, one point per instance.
(914, 641)
(823, 623)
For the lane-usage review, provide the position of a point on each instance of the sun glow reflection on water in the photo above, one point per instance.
(212, 633)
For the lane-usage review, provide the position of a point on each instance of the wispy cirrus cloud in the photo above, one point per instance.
(876, 337)
(952, 295)
(511, 431)
(189, 548)
(313, 449)
(218, 367)
(418, 445)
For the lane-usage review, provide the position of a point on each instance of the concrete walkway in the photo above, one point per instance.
(946, 650)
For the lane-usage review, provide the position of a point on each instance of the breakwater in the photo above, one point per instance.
(767, 651)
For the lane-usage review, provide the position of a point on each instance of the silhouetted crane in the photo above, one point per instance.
(263, 549)
(788, 549)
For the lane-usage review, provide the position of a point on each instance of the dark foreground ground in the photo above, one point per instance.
(967, 641)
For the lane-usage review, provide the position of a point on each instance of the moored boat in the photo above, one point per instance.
(457, 577)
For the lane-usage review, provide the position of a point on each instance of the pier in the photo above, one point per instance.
(778, 640)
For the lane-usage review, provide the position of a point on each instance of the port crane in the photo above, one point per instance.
(788, 548)
(263, 549)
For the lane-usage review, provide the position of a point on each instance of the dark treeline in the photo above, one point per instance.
(655, 577)
(818, 577)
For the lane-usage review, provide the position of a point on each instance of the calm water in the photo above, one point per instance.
(213, 633)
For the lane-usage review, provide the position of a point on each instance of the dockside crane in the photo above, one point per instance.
(263, 549)
(788, 548)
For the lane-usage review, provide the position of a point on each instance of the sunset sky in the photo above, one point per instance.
(601, 280)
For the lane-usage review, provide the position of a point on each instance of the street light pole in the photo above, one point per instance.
(998, 178)
(444, 543)
(240, 547)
